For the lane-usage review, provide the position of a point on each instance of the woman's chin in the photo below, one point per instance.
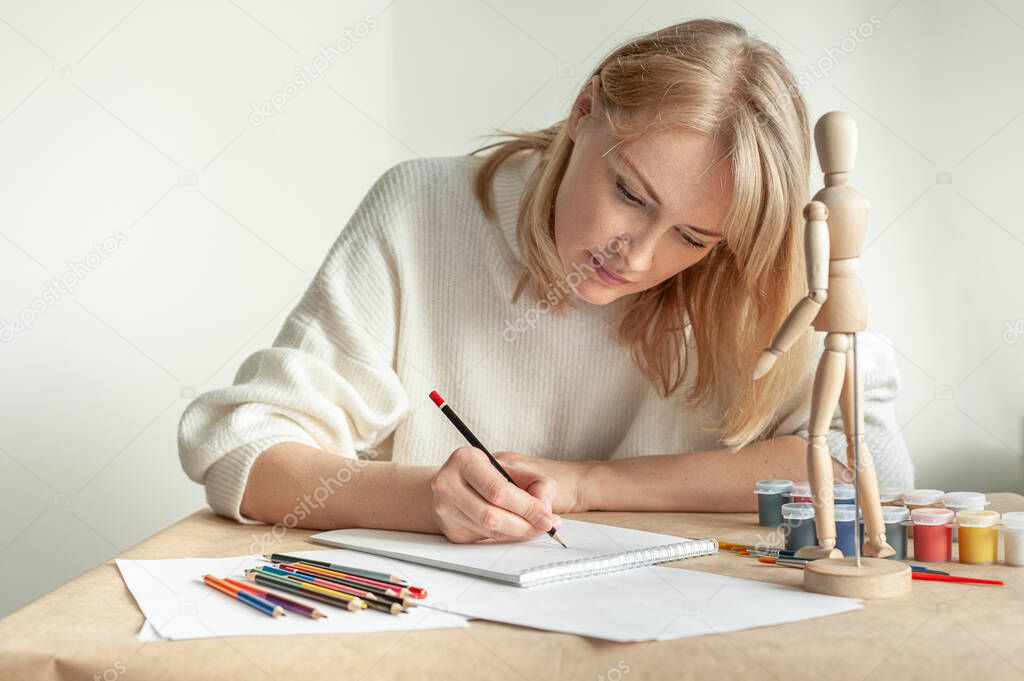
(597, 293)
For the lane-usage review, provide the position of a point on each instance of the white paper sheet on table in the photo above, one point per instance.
(178, 605)
(653, 603)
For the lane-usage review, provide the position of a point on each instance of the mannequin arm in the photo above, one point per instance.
(816, 252)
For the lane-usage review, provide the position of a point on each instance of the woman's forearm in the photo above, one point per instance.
(309, 488)
(715, 481)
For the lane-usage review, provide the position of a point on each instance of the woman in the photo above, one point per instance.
(591, 297)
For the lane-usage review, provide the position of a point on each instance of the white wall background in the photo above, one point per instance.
(131, 122)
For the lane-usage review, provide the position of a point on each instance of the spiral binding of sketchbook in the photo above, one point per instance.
(598, 565)
(593, 549)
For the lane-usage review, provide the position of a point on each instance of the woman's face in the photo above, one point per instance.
(628, 217)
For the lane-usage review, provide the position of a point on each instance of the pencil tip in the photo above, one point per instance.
(554, 535)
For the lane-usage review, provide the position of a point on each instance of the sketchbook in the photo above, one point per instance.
(593, 549)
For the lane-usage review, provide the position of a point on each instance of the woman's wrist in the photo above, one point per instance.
(589, 487)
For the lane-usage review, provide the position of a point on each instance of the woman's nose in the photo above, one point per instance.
(636, 250)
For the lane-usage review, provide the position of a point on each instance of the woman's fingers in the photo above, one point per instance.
(466, 530)
(501, 495)
(535, 483)
(490, 519)
(473, 500)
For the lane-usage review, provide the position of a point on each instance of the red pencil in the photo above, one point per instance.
(955, 578)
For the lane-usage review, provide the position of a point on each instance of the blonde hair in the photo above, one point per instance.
(711, 77)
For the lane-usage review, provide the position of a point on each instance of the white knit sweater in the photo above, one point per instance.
(415, 294)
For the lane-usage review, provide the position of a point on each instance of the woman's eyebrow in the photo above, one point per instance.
(625, 160)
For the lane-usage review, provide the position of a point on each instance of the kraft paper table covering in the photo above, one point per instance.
(88, 627)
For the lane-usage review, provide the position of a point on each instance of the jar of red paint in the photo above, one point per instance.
(800, 493)
(933, 534)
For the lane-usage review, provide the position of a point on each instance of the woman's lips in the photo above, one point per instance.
(609, 278)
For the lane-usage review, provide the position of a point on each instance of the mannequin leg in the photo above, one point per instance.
(828, 382)
(875, 545)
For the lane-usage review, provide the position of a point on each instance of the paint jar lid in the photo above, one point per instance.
(800, 489)
(773, 486)
(1014, 520)
(798, 511)
(923, 497)
(965, 500)
(844, 513)
(931, 516)
(895, 514)
(843, 491)
(976, 518)
(890, 494)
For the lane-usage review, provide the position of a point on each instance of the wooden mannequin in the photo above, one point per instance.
(836, 303)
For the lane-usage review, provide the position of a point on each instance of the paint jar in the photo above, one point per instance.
(1013, 538)
(922, 498)
(845, 526)
(844, 494)
(979, 538)
(963, 501)
(933, 536)
(895, 519)
(798, 523)
(890, 496)
(771, 494)
(801, 493)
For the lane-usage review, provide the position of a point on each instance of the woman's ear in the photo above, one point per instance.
(584, 105)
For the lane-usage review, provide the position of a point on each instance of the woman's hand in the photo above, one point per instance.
(472, 500)
(572, 478)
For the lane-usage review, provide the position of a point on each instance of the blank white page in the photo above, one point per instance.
(593, 549)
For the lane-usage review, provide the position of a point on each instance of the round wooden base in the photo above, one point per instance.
(875, 578)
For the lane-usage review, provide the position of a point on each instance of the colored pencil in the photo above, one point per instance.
(307, 590)
(468, 434)
(347, 569)
(956, 578)
(372, 601)
(355, 588)
(286, 603)
(263, 605)
(388, 606)
(415, 592)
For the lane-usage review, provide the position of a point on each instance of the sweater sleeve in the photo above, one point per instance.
(328, 379)
(877, 365)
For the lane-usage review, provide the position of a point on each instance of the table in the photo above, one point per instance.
(87, 629)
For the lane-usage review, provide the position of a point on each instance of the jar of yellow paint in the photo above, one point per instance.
(979, 537)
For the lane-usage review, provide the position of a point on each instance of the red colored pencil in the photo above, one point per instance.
(931, 577)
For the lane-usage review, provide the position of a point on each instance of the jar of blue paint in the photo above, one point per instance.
(846, 529)
(843, 493)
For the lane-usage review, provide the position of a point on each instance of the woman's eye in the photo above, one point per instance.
(627, 195)
(690, 240)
